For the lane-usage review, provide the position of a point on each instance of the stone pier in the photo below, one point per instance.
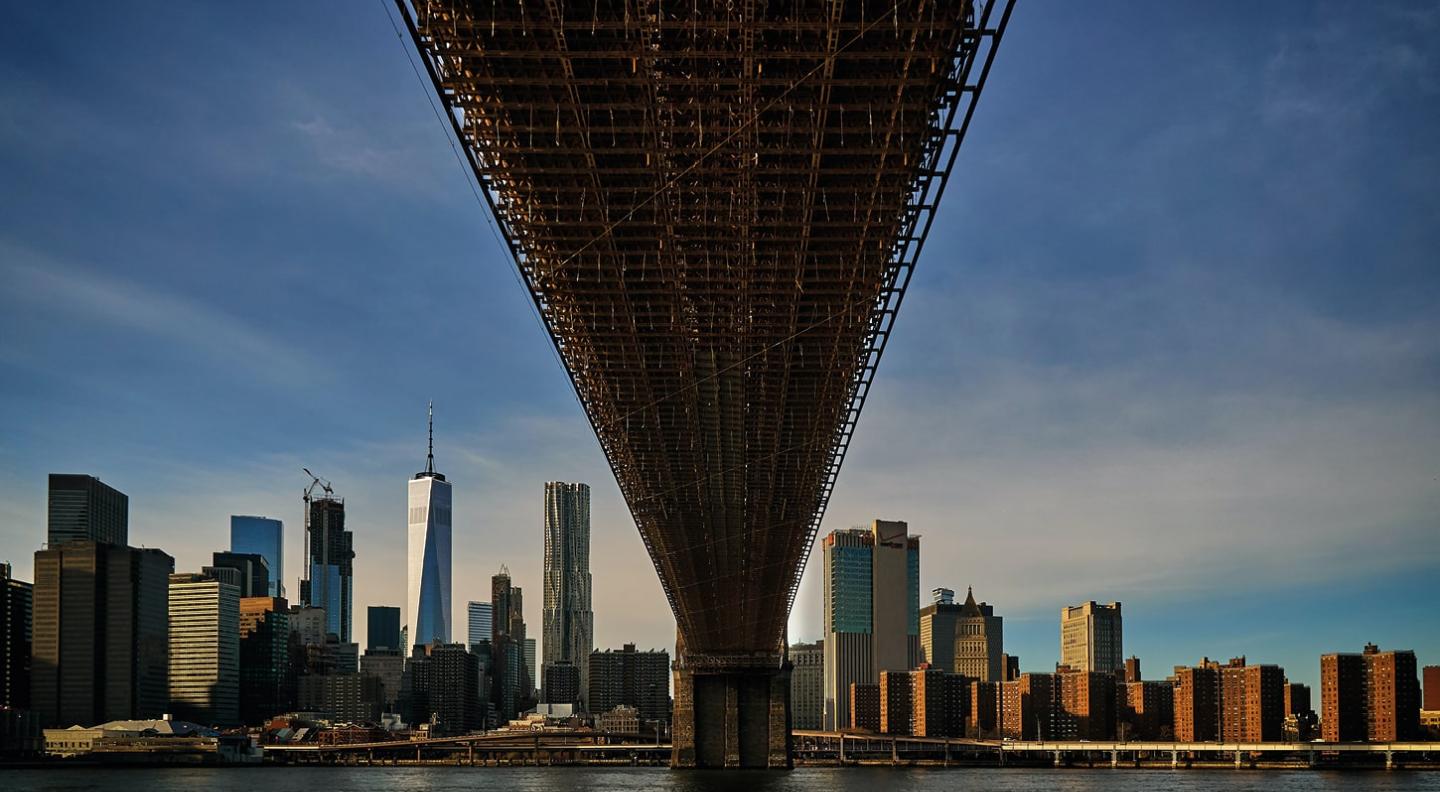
(727, 717)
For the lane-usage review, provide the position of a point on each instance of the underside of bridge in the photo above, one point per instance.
(716, 207)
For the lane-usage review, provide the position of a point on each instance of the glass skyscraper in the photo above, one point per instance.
(84, 508)
(265, 537)
(481, 622)
(428, 597)
(382, 629)
(331, 566)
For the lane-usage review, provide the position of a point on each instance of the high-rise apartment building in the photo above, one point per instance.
(329, 583)
(1029, 706)
(1197, 702)
(267, 678)
(1147, 711)
(562, 683)
(99, 634)
(1372, 696)
(1297, 698)
(482, 621)
(926, 702)
(963, 639)
(567, 621)
(1233, 702)
(807, 685)
(444, 684)
(204, 650)
(382, 629)
(1090, 637)
(631, 678)
(264, 537)
(872, 610)
(84, 508)
(16, 603)
(429, 554)
(1086, 702)
(252, 572)
(1432, 689)
(387, 666)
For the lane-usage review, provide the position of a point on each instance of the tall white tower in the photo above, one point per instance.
(428, 600)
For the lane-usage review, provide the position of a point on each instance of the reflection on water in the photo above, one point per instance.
(565, 779)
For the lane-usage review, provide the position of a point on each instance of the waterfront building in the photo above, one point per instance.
(619, 720)
(1086, 705)
(388, 667)
(1028, 706)
(444, 688)
(872, 610)
(252, 572)
(342, 698)
(567, 623)
(1297, 698)
(864, 706)
(83, 508)
(1197, 702)
(429, 600)
(1432, 689)
(633, 678)
(99, 635)
(329, 583)
(265, 537)
(1147, 711)
(1372, 696)
(16, 602)
(962, 639)
(204, 649)
(562, 683)
(807, 684)
(926, 702)
(983, 721)
(382, 629)
(482, 621)
(1091, 637)
(1252, 702)
(267, 679)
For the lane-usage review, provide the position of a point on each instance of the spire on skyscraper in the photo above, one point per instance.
(429, 471)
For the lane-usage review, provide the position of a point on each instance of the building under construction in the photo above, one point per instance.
(716, 207)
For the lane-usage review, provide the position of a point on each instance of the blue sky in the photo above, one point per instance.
(1175, 340)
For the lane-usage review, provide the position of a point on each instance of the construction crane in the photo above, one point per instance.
(315, 481)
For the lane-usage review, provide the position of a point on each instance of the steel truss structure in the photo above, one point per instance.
(717, 207)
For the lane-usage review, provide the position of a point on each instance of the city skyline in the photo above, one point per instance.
(1308, 433)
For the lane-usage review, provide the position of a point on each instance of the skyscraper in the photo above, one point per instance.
(963, 639)
(265, 537)
(100, 634)
(84, 508)
(254, 571)
(631, 678)
(16, 601)
(382, 631)
(482, 620)
(267, 678)
(1373, 696)
(531, 655)
(511, 678)
(330, 583)
(1090, 637)
(568, 624)
(807, 683)
(428, 600)
(204, 650)
(872, 610)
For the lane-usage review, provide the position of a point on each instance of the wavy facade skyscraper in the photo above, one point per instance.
(567, 619)
(428, 600)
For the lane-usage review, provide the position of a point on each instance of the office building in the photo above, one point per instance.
(84, 509)
(1371, 696)
(511, 685)
(16, 601)
(807, 684)
(482, 621)
(444, 688)
(1090, 637)
(531, 656)
(99, 634)
(267, 678)
(204, 650)
(428, 599)
(963, 639)
(566, 621)
(632, 678)
(382, 629)
(264, 537)
(387, 666)
(1432, 689)
(252, 572)
(330, 573)
(562, 683)
(872, 610)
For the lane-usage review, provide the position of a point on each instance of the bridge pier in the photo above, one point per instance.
(731, 717)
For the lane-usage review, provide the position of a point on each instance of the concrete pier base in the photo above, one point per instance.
(731, 718)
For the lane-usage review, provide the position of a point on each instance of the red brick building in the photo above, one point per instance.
(1371, 696)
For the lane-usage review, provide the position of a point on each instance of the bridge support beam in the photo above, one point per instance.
(731, 718)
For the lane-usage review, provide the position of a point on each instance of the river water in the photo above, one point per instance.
(565, 779)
